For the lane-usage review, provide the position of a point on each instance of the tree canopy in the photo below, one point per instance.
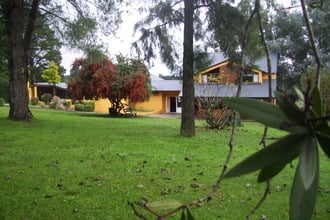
(128, 80)
(77, 23)
(51, 74)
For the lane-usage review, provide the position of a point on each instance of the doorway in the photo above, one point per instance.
(172, 104)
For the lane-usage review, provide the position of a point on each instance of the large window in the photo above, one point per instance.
(250, 77)
(211, 78)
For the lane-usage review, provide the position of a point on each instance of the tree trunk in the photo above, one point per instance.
(18, 52)
(188, 104)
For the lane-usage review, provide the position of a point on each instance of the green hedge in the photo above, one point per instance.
(84, 106)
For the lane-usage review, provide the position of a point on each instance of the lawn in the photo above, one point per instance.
(67, 165)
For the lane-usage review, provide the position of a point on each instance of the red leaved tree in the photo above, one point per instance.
(128, 81)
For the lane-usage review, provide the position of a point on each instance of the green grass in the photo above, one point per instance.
(66, 165)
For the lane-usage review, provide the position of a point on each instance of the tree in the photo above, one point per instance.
(76, 27)
(45, 48)
(296, 54)
(188, 100)
(156, 33)
(52, 75)
(4, 80)
(127, 80)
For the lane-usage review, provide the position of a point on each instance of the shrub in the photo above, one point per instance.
(2, 102)
(46, 97)
(34, 101)
(79, 107)
(84, 106)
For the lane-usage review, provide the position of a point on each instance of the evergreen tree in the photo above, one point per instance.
(51, 74)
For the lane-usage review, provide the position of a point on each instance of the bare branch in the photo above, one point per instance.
(313, 44)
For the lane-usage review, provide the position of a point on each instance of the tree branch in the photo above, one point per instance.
(30, 28)
(313, 44)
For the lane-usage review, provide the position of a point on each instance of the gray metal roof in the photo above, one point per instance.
(159, 84)
(248, 90)
(261, 63)
(61, 85)
(253, 90)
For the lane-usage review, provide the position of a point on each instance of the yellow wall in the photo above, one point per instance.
(157, 102)
(32, 90)
(265, 76)
(154, 104)
(102, 105)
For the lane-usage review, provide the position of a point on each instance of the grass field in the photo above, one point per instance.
(67, 165)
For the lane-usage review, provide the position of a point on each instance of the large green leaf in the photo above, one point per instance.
(189, 216)
(169, 204)
(308, 161)
(270, 171)
(323, 137)
(302, 201)
(317, 102)
(279, 152)
(263, 112)
(324, 141)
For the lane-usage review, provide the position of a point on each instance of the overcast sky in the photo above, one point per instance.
(121, 43)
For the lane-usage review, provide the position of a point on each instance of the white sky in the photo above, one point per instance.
(121, 43)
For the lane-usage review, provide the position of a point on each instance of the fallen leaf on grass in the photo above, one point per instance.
(140, 186)
(196, 185)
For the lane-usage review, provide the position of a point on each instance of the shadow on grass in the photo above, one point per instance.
(103, 115)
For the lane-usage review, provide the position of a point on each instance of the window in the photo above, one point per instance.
(250, 77)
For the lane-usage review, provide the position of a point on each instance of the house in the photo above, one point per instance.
(58, 89)
(61, 90)
(166, 96)
(218, 80)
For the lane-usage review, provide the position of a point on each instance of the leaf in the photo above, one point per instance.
(299, 93)
(279, 152)
(302, 201)
(183, 215)
(324, 141)
(323, 137)
(288, 107)
(165, 204)
(189, 215)
(270, 171)
(317, 105)
(316, 4)
(263, 112)
(308, 161)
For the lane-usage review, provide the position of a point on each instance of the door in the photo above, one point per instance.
(172, 104)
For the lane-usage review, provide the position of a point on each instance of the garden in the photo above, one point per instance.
(75, 165)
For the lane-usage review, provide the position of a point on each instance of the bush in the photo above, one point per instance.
(2, 102)
(34, 101)
(84, 106)
(46, 97)
(79, 107)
